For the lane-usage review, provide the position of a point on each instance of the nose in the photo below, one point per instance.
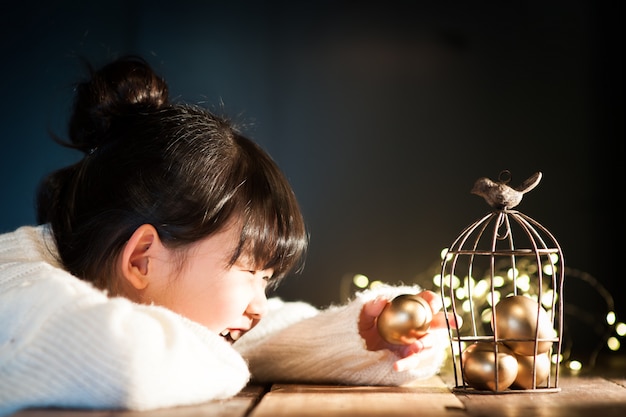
(258, 305)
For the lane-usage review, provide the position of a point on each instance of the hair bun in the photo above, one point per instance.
(126, 86)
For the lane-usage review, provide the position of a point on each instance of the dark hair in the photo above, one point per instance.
(178, 167)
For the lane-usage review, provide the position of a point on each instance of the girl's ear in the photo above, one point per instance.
(135, 259)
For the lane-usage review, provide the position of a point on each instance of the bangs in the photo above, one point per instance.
(273, 234)
(277, 246)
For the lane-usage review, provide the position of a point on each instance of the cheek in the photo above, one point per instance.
(233, 296)
(217, 305)
(223, 310)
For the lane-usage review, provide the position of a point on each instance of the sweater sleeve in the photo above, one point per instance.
(64, 343)
(327, 348)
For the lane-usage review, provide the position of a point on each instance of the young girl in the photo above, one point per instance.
(143, 285)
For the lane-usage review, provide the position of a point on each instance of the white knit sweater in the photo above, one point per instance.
(65, 343)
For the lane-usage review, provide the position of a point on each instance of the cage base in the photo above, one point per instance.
(469, 390)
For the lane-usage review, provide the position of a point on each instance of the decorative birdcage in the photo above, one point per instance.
(503, 276)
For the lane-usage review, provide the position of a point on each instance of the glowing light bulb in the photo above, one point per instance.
(461, 293)
(437, 280)
(481, 288)
(455, 282)
(445, 280)
(613, 343)
(556, 358)
(575, 366)
(485, 316)
(610, 317)
(448, 280)
(548, 269)
(360, 280)
(375, 284)
(498, 281)
(493, 298)
(523, 283)
(620, 329)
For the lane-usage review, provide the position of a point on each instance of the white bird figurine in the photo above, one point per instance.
(501, 196)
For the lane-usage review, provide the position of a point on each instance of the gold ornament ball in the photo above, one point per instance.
(405, 319)
(479, 366)
(524, 378)
(516, 318)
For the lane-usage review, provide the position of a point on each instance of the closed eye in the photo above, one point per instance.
(267, 278)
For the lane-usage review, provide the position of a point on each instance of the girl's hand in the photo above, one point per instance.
(409, 354)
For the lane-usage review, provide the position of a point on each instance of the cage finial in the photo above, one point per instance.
(500, 195)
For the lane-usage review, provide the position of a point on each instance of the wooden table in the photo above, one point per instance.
(584, 396)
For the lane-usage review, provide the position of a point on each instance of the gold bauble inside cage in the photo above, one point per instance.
(503, 275)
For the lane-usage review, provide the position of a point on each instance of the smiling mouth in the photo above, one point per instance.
(231, 336)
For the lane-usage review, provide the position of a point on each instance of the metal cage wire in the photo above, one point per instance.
(534, 268)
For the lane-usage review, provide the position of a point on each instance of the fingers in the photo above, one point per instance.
(367, 319)
(439, 321)
(455, 321)
(432, 299)
(414, 352)
(375, 307)
(426, 342)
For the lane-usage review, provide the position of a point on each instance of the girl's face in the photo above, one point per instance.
(228, 300)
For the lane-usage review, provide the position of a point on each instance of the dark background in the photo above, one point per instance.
(382, 115)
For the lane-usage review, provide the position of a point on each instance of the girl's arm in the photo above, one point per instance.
(329, 346)
(64, 343)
